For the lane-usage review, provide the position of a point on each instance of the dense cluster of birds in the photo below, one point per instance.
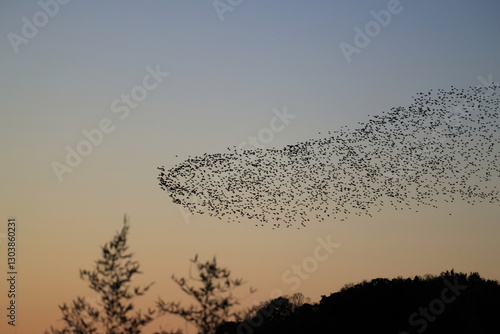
(444, 146)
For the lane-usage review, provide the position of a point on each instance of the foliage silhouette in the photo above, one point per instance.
(213, 294)
(448, 303)
(111, 280)
(274, 311)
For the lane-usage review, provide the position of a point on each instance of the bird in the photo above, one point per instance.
(444, 146)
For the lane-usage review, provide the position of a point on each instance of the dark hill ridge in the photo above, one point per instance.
(448, 303)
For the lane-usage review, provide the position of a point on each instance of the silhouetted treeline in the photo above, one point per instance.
(113, 311)
(448, 303)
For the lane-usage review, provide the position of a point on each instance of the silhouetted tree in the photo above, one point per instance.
(213, 294)
(111, 280)
(297, 300)
(449, 303)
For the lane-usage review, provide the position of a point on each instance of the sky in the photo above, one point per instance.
(155, 82)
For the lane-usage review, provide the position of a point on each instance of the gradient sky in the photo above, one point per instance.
(225, 79)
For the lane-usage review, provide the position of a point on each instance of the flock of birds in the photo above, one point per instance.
(442, 147)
